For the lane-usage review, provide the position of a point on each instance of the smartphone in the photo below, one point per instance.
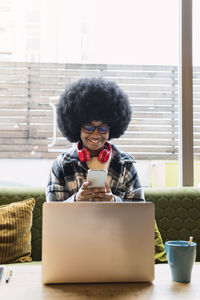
(98, 177)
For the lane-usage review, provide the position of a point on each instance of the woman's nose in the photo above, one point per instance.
(95, 132)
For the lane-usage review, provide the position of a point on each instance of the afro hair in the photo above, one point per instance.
(93, 99)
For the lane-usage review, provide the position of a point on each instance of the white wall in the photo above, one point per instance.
(28, 172)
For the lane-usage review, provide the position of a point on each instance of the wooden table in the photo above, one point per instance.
(26, 284)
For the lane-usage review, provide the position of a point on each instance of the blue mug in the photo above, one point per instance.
(181, 256)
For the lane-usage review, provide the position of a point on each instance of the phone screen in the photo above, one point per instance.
(98, 177)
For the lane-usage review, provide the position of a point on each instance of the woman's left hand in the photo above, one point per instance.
(103, 195)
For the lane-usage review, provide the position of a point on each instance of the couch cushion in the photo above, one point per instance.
(15, 231)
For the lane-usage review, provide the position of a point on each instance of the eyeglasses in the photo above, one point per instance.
(89, 128)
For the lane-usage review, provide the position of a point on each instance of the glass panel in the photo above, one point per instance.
(134, 43)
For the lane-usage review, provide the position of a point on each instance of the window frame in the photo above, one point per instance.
(186, 151)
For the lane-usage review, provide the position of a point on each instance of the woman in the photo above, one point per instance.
(91, 112)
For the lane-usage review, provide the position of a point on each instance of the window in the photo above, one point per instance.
(135, 43)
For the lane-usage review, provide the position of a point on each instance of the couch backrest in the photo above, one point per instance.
(177, 212)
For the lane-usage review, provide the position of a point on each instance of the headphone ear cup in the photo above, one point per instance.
(83, 154)
(86, 154)
(103, 155)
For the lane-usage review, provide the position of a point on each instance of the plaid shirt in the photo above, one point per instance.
(68, 174)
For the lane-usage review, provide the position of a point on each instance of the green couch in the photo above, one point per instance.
(177, 212)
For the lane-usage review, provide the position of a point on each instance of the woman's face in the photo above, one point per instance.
(94, 140)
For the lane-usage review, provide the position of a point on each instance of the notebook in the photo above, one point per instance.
(98, 242)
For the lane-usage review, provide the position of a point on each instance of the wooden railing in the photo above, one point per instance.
(26, 116)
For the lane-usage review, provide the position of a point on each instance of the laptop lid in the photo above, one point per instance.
(98, 242)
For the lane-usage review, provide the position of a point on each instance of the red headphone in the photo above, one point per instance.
(84, 154)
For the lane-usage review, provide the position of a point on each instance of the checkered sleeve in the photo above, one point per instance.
(134, 191)
(56, 188)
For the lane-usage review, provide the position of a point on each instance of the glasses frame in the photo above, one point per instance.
(96, 127)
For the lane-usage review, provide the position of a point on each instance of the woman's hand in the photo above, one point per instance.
(95, 194)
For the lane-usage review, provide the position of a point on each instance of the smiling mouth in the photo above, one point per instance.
(95, 141)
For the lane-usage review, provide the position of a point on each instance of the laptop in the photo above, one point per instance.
(98, 242)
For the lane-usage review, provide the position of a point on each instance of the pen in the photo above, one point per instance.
(8, 275)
